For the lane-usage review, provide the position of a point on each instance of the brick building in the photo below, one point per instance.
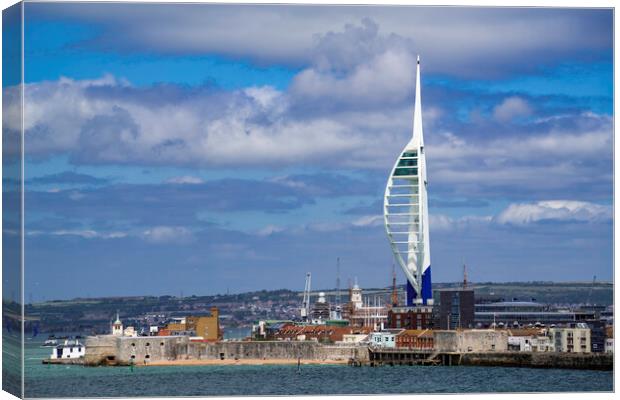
(415, 339)
(415, 317)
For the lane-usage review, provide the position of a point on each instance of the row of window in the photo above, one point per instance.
(405, 171)
(408, 162)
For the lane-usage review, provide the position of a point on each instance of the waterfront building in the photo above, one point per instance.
(541, 344)
(405, 211)
(385, 339)
(354, 338)
(456, 309)
(597, 335)
(71, 348)
(522, 313)
(320, 333)
(609, 339)
(414, 317)
(415, 339)
(527, 339)
(571, 339)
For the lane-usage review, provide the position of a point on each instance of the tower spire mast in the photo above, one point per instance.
(406, 209)
(418, 136)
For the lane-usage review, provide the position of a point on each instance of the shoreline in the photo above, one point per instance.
(246, 361)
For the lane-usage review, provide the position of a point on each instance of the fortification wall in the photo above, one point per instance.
(596, 361)
(255, 350)
(101, 350)
(470, 341)
(144, 349)
(359, 353)
(117, 350)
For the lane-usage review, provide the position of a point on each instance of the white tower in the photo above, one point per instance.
(405, 211)
(356, 296)
(117, 327)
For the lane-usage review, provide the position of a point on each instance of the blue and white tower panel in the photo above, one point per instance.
(405, 211)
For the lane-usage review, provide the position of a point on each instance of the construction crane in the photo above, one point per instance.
(305, 304)
(338, 298)
(464, 275)
(590, 291)
(394, 289)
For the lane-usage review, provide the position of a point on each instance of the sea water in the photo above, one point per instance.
(77, 381)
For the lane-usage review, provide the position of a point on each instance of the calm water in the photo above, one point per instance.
(75, 381)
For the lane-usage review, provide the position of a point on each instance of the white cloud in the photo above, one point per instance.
(368, 220)
(270, 230)
(511, 108)
(83, 233)
(557, 210)
(168, 234)
(190, 180)
(467, 41)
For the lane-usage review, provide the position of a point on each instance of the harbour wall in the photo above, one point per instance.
(115, 350)
(305, 350)
(119, 350)
(593, 361)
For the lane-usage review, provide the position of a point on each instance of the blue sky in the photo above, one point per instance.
(207, 148)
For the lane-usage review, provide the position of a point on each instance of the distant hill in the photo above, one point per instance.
(242, 309)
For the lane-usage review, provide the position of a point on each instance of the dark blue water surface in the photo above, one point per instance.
(76, 381)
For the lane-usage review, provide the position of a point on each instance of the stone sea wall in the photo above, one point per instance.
(596, 361)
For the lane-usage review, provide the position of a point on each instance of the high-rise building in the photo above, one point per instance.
(456, 309)
(405, 211)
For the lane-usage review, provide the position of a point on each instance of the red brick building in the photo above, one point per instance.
(415, 339)
(417, 317)
(321, 333)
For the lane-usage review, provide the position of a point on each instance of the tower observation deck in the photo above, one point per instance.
(405, 211)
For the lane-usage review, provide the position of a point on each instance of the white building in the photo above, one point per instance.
(385, 339)
(609, 345)
(571, 339)
(71, 348)
(354, 338)
(130, 331)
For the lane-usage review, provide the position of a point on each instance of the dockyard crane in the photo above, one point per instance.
(590, 291)
(305, 304)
